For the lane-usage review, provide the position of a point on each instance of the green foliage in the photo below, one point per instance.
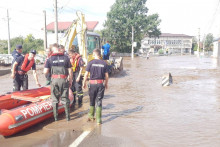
(123, 15)
(100, 32)
(3, 47)
(209, 42)
(160, 52)
(194, 46)
(28, 43)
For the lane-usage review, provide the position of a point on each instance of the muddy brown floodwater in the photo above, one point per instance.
(138, 111)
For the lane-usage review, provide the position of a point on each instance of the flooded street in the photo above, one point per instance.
(143, 112)
(138, 111)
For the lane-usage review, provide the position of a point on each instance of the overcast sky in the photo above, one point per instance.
(178, 16)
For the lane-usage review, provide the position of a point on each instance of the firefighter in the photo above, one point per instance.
(19, 71)
(77, 66)
(48, 53)
(97, 84)
(60, 68)
(16, 53)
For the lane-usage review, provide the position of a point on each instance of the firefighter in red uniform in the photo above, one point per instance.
(77, 65)
(19, 71)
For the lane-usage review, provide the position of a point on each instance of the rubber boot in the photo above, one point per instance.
(55, 111)
(91, 113)
(67, 111)
(99, 115)
(80, 99)
(74, 98)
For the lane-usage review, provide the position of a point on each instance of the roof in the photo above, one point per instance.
(91, 24)
(174, 35)
(65, 25)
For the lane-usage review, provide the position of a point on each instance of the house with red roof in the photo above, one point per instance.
(63, 26)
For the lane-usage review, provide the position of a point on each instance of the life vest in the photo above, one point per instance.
(75, 62)
(24, 66)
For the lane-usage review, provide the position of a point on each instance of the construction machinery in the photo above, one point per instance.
(78, 36)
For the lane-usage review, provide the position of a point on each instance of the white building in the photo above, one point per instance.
(216, 48)
(175, 43)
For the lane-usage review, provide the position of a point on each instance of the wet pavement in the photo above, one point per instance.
(138, 111)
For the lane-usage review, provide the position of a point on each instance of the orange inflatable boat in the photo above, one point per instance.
(9, 100)
(22, 117)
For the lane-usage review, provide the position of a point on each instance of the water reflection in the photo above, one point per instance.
(64, 139)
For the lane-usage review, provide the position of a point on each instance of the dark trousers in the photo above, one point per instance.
(77, 86)
(20, 81)
(106, 57)
(96, 94)
(60, 89)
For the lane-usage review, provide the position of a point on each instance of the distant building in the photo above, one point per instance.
(174, 43)
(216, 48)
(63, 26)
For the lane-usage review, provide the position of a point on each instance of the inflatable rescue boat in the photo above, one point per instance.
(34, 111)
(15, 99)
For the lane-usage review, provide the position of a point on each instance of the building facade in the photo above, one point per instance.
(63, 27)
(174, 43)
(216, 48)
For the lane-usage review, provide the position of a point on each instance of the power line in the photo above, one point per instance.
(22, 11)
(214, 16)
(25, 12)
(65, 4)
(26, 26)
(67, 9)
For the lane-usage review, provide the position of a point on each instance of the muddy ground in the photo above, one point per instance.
(138, 111)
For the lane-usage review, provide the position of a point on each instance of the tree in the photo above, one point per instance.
(3, 47)
(194, 44)
(123, 15)
(209, 42)
(15, 41)
(100, 32)
(28, 43)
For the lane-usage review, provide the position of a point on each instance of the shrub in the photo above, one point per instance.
(160, 52)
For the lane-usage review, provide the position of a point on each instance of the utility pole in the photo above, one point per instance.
(182, 48)
(56, 22)
(9, 45)
(198, 54)
(204, 45)
(132, 50)
(45, 30)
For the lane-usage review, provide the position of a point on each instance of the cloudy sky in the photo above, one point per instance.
(178, 16)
